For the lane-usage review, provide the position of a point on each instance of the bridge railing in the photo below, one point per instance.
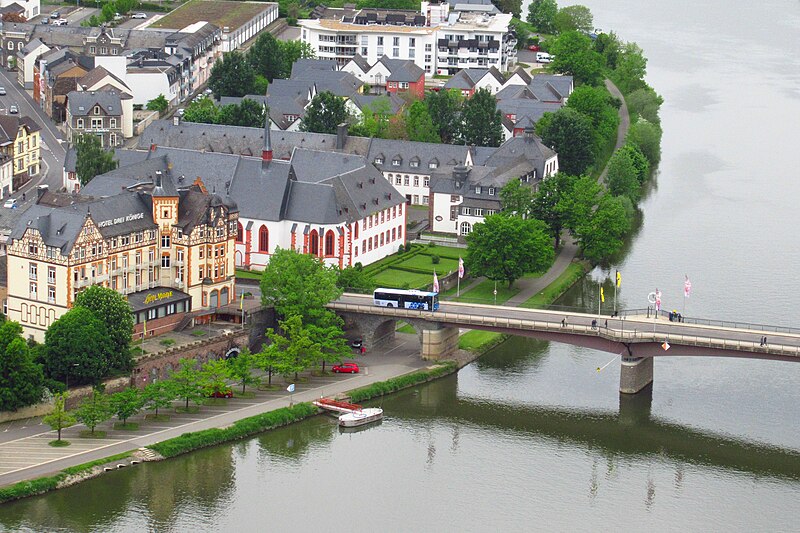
(731, 324)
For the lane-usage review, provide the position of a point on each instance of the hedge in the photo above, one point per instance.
(240, 429)
(409, 380)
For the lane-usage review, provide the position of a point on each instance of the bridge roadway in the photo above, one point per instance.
(631, 337)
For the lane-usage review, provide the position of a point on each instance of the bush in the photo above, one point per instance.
(392, 385)
(401, 249)
(435, 259)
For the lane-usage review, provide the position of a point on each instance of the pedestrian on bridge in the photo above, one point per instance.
(594, 324)
(564, 322)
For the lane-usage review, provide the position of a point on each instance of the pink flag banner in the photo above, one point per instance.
(435, 282)
(460, 268)
(687, 287)
(658, 300)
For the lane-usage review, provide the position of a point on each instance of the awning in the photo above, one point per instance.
(156, 297)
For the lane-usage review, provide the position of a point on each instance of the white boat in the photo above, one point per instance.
(359, 418)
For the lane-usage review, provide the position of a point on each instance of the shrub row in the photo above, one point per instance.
(409, 380)
(23, 489)
(380, 266)
(240, 429)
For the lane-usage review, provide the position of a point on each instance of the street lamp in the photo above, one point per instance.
(68, 370)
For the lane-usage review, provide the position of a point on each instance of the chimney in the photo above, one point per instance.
(158, 179)
(341, 135)
(266, 152)
(528, 132)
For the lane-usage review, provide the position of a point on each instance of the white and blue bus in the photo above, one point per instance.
(408, 299)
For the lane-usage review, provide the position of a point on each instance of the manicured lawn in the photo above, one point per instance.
(476, 339)
(484, 293)
(231, 14)
(392, 278)
(573, 272)
(248, 274)
(405, 328)
(424, 261)
(445, 251)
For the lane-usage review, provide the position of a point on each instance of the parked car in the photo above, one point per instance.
(2, 91)
(534, 48)
(357, 343)
(11, 203)
(180, 112)
(117, 16)
(60, 22)
(12, 109)
(346, 368)
(55, 15)
(45, 21)
(221, 394)
(543, 57)
(139, 16)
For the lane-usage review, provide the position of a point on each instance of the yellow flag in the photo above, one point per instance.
(241, 302)
(602, 296)
(619, 279)
(144, 328)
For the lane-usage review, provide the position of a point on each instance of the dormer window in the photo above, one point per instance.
(491, 191)
(97, 110)
(414, 164)
(378, 160)
(433, 164)
(396, 162)
(477, 189)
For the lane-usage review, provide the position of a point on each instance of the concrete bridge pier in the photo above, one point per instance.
(635, 374)
(635, 409)
(439, 343)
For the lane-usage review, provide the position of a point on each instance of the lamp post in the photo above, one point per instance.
(68, 371)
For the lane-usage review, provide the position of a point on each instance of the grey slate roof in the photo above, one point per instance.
(402, 70)
(97, 74)
(468, 77)
(551, 87)
(361, 63)
(75, 36)
(30, 47)
(396, 103)
(407, 152)
(313, 65)
(81, 103)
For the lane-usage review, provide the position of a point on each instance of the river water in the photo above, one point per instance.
(531, 436)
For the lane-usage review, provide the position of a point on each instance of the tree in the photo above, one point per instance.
(299, 284)
(374, 119)
(517, 199)
(595, 104)
(266, 58)
(293, 349)
(600, 235)
(186, 382)
(505, 248)
(547, 205)
(20, 378)
(573, 18)
(481, 121)
(91, 158)
(249, 113)
(94, 410)
(354, 278)
(396, 128)
(575, 55)
(126, 403)
(201, 110)
(622, 179)
(509, 6)
(542, 15)
(78, 345)
(608, 46)
(419, 124)
(640, 162)
(631, 69)
(111, 308)
(444, 108)
(213, 377)
(324, 114)
(291, 51)
(59, 418)
(159, 103)
(158, 395)
(331, 345)
(578, 201)
(647, 137)
(232, 76)
(241, 367)
(570, 134)
(645, 102)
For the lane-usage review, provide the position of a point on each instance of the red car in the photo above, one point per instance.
(534, 48)
(346, 368)
(221, 394)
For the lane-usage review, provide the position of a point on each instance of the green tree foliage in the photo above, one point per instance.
(159, 103)
(507, 6)
(202, 110)
(542, 14)
(214, 376)
(374, 119)
(293, 349)
(266, 58)
(388, 4)
(126, 403)
(480, 120)
(647, 137)
(294, 50)
(232, 76)
(325, 112)
(331, 345)
(608, 46)
(445, 110)
(94, 410)
(570, 134)
(575, 55)
(631, 69)
(622, 178)
(645, 103)
(505, 248)
(249, 113)
(547, 203)
(600, 235)
(158, 395)
(111, 308)
(640, 162)
(517, 199)
(396, 128)
(78, 345)
(355, 279)
(20, 378)
(523, 34)
(59, 418)
(92, 160)
(186, 382)
(419, 124)
(241, 367)
(572, 18)
(578, 201)
(261, 85)
(299, 284)
(595, 103)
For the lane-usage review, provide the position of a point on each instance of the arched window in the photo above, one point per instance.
(223, 296)
(394, 233)
(263, 239)
(381, 239)
(214, 299)
(399, 232)
(355, 230)
(329, 243)
(466, 228)
(239, 232)
(313, 243)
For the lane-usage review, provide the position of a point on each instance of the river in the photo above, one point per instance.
(531, 436)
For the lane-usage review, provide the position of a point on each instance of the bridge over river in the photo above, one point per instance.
(635, 336)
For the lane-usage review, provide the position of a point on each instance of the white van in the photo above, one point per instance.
(543, 57)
